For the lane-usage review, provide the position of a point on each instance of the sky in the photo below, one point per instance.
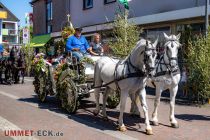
(18, 8)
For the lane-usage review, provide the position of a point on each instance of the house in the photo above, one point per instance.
(9, 27)
(93, 15)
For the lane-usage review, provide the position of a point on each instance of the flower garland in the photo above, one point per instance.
(39, 63)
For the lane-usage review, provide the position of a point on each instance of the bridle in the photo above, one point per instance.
(166, 51)
(146, 59)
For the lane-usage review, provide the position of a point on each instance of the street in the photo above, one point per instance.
(20, 109)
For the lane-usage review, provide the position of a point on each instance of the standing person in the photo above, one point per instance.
(183, 81)
(78, 45)
(96, 47)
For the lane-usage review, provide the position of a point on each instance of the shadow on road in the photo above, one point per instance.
(193, 117)
(85, 115)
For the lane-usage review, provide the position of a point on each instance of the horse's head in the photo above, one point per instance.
(172, 46)
(150, 55)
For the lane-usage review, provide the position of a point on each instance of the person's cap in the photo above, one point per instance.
(78, 29)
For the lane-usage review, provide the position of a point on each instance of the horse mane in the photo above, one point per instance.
(139, 44)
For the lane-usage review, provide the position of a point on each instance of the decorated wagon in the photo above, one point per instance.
(68, 80)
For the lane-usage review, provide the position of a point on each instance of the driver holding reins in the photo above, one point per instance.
(78, 45)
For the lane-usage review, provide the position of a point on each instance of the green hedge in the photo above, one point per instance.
(198, 59)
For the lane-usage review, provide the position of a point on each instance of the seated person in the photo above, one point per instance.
(96, 46)
(78, 45)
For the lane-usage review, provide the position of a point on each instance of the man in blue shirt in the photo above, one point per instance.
(1, 50)
(78, 45)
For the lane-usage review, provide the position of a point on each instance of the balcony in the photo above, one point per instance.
(9, 32)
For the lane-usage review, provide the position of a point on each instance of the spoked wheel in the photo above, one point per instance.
(113, 99)
(42, 93)
(69, 97)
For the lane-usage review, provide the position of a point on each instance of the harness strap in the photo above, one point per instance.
(116, 76)
(130, 75)
(167, 72)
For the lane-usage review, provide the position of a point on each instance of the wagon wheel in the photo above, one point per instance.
(42, 93)
(69, 100)
(113, 99)
(36, 84)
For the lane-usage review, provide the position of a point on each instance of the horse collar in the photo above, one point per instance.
(134, 67)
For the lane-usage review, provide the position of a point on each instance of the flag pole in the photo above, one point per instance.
(206, 17)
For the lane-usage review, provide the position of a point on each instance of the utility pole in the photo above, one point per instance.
(207, 17)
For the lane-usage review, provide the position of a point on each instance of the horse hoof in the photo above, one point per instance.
(175, 125)
(96, 112)
(155, 123)
(122, 128)
(149, 132)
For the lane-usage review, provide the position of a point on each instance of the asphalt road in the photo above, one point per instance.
(21, 110)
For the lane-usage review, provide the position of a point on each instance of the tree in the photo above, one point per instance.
(198, 59)
(125, 33)
(28, 50)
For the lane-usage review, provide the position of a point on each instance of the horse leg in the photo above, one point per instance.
(142, 96)
(98, 83)
(97, 97)
(156, 104)
(105, 96)
(134, 111)
(173, 92)
(123, 98)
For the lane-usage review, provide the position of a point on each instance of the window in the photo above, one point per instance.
(49, 29)
(49, 10)
(109, 1)
(3, 26)
(87, 4)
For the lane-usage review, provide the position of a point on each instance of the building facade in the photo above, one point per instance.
(49, 15)
(94, 15)
(9, 27)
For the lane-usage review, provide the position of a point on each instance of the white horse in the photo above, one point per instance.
(128, 77)
(167, 77)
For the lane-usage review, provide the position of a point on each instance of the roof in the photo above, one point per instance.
(40, 41)
(33, 1)
(170, 16)
(10, 15)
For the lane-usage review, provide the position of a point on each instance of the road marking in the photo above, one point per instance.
(6, 125)
(115, 134)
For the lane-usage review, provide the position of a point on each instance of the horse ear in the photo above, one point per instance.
(156, 42)
(166, 36)
(178, 36)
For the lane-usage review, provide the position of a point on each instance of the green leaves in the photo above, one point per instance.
(198, 59)
(125, 34)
